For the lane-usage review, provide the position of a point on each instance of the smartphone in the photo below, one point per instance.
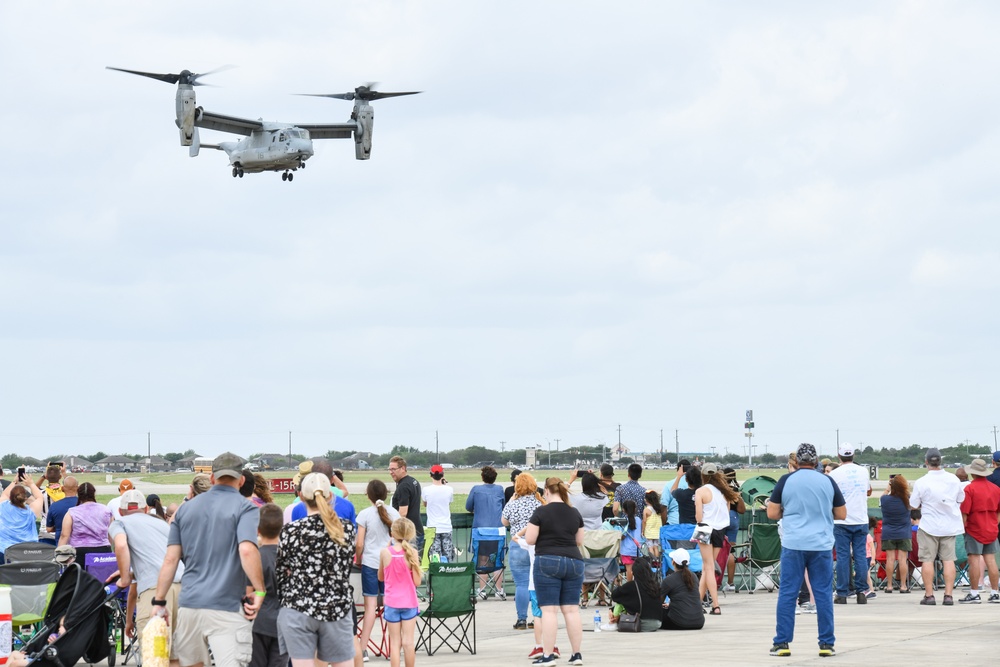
(20, 473)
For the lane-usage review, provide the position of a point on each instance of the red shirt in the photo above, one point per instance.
(981, 504)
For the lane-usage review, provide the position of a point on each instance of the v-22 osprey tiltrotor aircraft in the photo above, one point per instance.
(268, 146)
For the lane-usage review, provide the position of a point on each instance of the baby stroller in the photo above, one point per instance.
(78, 602)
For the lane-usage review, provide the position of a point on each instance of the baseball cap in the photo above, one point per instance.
(125, 485)
(806, 453)
(709, 468)
(996, 456)
(133, 499)
(846, 449)
(316, 481)
(65, 554)
(227, 464)
(680, 556)
(933, 456)
(436, 468)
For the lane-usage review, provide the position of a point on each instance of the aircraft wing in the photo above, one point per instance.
(330, 130)
(231, 124)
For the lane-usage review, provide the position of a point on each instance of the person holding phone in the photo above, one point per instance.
(20, 507)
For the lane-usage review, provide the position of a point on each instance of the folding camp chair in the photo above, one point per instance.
(30, 552)
(489, 551)
(451, 609)
(31, 586)
(380, 647)
(678, 536)
(764, 558)
(600, 564)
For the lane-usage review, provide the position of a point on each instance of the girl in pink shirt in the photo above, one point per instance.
(399, 568)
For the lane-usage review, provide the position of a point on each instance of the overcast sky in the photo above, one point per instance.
(658, 215)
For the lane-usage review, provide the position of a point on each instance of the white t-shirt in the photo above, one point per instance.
(437, 498)
(115, 506)
(938, 495)
(376, 534)
(854, 485)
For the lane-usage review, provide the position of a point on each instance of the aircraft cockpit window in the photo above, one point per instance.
(281, 137)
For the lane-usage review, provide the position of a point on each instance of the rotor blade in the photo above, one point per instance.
(166, 78)
(375, 95)
(360, 95)
(338, 96)
(195, 77)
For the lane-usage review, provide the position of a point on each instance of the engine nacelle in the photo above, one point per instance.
(365, 117)
(187, 108)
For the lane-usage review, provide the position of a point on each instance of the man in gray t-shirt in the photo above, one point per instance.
(215, 534)
(140, 544)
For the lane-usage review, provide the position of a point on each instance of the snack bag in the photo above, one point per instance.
(156, 643)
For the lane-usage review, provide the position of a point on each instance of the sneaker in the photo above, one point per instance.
(928, 600)
(364, 656)
(840, 599)
(798, 609)
(826, 651)
(536, 652)
(728, 588)
(862, 598)
(871, 595)
(781, 650)
(531, 624)
(948, 601)
(555, 652)
(971, 599)
(521, 624)
(809, 608)
(576, 659)
(482, 594)
(500, 594)
(994, 598)
(545, 660)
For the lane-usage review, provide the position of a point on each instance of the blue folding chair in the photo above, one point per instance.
(489, 552)
(678, 536)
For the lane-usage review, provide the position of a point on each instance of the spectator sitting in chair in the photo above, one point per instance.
(486, 502)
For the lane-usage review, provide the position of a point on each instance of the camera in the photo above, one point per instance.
(618, 521)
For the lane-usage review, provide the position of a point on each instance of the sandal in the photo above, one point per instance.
(904, 591)
(888, 591)
(715, 612)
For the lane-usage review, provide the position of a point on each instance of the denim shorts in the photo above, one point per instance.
(370, 585)
(558, 580)
(397, 614)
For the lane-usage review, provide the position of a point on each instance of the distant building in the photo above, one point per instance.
(187, 461)
(156, 463)
(117, 464)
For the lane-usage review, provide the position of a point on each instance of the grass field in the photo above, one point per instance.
(651, 478)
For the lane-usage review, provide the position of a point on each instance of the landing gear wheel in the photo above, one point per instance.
(290, 176)
(241, 172)
(235, 172)
(284, 175)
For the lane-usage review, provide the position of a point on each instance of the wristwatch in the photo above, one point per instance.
(158, 603)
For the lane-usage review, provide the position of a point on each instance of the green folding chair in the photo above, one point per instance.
(31, 585)
(450, 615)
(764, 558)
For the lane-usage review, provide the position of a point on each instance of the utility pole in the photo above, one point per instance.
(550, 452)
(994, 438)
(502, 443)
(289, 449)
(619, 434)
(677, 445)
(661, 445)
(149, 455)
(437, 448)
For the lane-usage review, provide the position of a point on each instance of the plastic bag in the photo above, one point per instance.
(156, 643)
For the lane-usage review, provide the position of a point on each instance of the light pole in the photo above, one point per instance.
(713, 452)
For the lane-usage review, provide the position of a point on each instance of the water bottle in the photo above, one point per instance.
(597, 620)
(6, 627)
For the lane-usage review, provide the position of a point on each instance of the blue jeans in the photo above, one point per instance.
(794, 564)
(558, 580)
(520, 566)
(846, 538)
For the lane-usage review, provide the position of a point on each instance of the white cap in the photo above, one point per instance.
(316, 481)
(680, 556)
(846, 449)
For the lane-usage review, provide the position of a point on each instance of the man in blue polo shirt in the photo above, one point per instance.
(995, 475)
(807, 502)
(342, 507)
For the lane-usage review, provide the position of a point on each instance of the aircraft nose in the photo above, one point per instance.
(300, 146)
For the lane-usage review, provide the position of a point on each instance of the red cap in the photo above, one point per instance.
(436, 468)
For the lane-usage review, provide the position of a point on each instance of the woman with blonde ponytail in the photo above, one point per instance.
(312, 570)
(373, 535)
(399, 569)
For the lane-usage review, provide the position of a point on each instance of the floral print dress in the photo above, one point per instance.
(312, 571)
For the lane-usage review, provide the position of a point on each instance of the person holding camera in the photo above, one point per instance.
(20, 508)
